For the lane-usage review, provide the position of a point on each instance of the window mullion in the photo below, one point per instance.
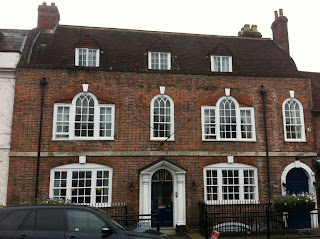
(93, 186)
(72, 120)
(217, 109)
(96, 122)
(69, 184)
(219, 179)
(238, 123)
(241, 184)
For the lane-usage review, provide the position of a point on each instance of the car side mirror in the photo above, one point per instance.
(106, 232)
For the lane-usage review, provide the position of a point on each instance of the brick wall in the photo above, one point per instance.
(132, 93)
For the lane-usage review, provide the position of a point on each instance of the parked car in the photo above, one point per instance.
(62, 222)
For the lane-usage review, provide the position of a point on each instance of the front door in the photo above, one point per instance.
(162, 198)
(297, 182)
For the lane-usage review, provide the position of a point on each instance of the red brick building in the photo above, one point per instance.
(159, 120)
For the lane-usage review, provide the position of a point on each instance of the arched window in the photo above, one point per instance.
(83, 119)
(230, 182)
(227, 121)
(81, 183)
(162, 118)
(293, 120)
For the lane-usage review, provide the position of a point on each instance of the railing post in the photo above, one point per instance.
(206, 222)
(126, 213)
(158, 220)
(268, 220)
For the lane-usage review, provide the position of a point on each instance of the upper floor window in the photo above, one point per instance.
(84, 119)
(221, 63)
(230, 182)
(162, 118)
(227, 121)
(87, 57)
(293, 120)
(159, 60)
(81, 183)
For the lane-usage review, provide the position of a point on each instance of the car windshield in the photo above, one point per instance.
(110, 218)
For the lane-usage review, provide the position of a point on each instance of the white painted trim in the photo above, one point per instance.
(238, 120)
(178, 183)
(303, 133)
(235, 166)
(168, 60)
(312, 189)
(213, 67)
(76, 167)
(172, 137)
(76, 58)
(72, 107)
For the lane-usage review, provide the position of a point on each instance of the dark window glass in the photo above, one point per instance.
(13, 220)
(30, 222)
(83, 221)
(50, 220)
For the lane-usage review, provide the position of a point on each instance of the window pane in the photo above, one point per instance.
(293, 120)
(83, 221)
(50, 220)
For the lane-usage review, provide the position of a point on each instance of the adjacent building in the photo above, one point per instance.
(11, 46)
(160, 120)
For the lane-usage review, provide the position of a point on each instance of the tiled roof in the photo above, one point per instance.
(126, 50)
(12, 40)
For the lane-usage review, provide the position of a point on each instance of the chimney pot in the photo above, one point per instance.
(281, 12)
(280, 31)
(275, 15)
(254, 28)
(44, 4)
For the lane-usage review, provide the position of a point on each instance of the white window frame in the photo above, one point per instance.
(69, 168)
(219, 167)
(213, 67)
(159, 60)
(238, 121)
(303, 134)
(72, 109)
(87, 56)
(172, 136)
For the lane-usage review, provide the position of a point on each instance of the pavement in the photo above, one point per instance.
(190, 235)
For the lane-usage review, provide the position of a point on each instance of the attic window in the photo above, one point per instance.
(221, 63)
(87, 57)
(159, 60)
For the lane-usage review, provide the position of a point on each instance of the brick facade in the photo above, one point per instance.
(132, 93)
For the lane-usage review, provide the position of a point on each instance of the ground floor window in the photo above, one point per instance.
(230, 182)
(82, 183)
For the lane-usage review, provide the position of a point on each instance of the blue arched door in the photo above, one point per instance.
(297, 182)
(162, 198)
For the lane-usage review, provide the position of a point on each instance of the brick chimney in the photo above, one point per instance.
(48, 16)
(280, 30)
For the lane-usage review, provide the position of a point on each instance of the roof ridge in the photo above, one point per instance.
(162, 32)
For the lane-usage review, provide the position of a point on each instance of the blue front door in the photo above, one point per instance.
(297, 182)
(162, 201)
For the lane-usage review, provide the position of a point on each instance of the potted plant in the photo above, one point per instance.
(294, 202)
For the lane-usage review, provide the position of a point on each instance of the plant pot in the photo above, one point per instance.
(299, 207)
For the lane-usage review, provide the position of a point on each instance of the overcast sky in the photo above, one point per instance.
(211, 17)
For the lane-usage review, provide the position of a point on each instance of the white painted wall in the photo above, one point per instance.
(9, 59)
(8, 63)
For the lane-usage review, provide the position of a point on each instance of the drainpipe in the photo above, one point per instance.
(264, 94)
(43, 83)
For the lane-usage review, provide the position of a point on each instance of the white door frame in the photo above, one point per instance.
(312, 189)
(179, 192)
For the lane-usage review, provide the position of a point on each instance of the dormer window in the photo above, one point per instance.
(159, 60)
(221, 63)
(87, 57)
